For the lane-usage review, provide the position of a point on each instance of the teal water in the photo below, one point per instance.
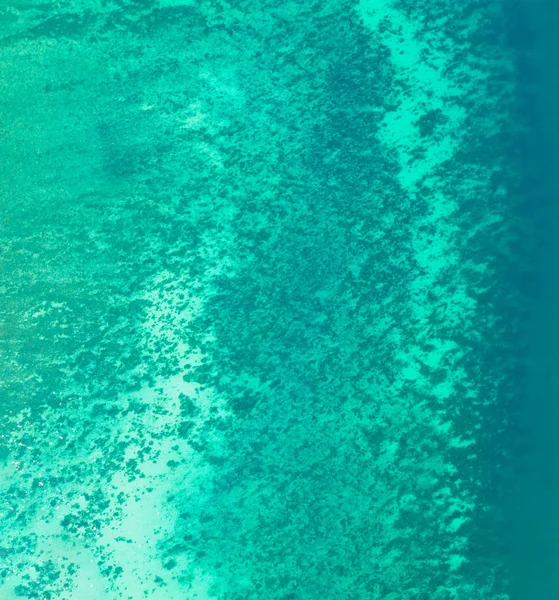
(531, 527)
(264, 273)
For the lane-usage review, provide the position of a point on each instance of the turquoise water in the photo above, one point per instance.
(265, 275)
(531, 528)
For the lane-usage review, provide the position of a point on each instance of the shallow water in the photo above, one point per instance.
(267, 271)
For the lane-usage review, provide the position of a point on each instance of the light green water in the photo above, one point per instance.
(251, 299)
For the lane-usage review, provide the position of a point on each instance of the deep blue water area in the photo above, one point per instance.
(531, 494)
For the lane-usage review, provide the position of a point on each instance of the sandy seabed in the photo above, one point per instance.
(252, 258)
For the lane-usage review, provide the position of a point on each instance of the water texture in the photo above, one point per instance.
(258, 320)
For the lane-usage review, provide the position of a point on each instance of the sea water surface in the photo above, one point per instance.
(267, 275)
(530, 497)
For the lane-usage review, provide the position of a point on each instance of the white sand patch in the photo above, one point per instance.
(422, 61)
(147, 516)
(130, 541)
(430, 90)
(174, 3)
(424, 129)
(141, 513)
